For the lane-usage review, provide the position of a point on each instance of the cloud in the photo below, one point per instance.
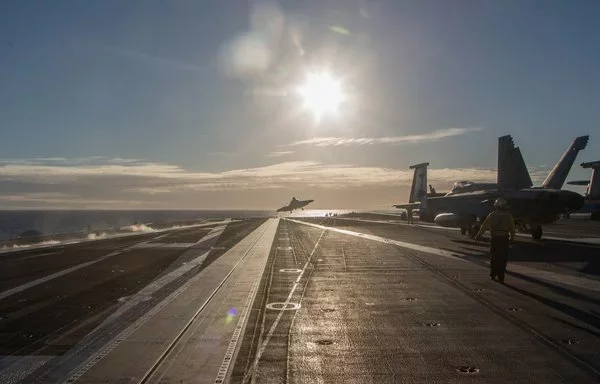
(61, 161)
(538, 174)
(340, 141)
(228, 154)
(160, 178)
(279, 153)
(118, 183)
(64, 200)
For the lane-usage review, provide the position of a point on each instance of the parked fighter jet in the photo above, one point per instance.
(295, 204)
(512, 173)
(592, 193)
(469, 203)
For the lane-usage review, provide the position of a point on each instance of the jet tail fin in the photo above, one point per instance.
(593, 189)
(557, 176)
(418, 190)
(512, 171)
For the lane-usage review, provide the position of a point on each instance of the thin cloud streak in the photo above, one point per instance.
(227, 154)
(340, 141)
(279, 153)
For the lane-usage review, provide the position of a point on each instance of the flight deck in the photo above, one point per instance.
(361, 299)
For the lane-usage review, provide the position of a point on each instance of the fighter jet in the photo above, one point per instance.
(592, 193)
(295, 204)
(512, 173)
(469, 203)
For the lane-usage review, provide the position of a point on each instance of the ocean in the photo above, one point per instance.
(56, 222)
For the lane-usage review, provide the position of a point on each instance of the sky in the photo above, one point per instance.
(192, 104)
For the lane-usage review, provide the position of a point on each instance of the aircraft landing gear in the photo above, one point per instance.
(475, 229)
(471, 229)
(536, 232)
(463, 230)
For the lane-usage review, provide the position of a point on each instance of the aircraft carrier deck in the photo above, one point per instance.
(367, 299)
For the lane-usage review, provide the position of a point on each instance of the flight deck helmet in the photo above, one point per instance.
(500, 203)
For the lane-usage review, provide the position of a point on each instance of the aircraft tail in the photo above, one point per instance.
(512, 171)
(593, 189)
(557, 176)
(418, 190)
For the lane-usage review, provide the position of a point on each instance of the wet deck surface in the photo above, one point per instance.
(53, 298)
(371, 311)
(335, 301)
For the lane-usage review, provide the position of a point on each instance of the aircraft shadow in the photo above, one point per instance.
(570, 324)
(521, 253)
(549, 251)
(588, 318)
(556, 288)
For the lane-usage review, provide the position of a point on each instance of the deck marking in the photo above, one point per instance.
(575, 281)
(53, 276)
(230, 353)
(579, 240)
(421, 248)
(110, 346)
(285, 304)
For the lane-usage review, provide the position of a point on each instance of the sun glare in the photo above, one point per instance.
(321, 94)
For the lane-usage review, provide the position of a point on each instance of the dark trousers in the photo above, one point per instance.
(499, 253)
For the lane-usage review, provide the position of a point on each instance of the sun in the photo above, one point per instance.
(321, 94)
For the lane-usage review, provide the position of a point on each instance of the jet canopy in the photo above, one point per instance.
(461, 185)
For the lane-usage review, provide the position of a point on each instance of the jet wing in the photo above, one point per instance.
(408, 205)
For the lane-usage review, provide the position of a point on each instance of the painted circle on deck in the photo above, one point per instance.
(431, 324)
(467, 369)
(290, 270)
(283, 306)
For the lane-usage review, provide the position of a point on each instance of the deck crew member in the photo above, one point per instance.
(501, 224)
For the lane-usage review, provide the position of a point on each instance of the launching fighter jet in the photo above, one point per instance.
(592, 194)
(295, 204)
(469, 203)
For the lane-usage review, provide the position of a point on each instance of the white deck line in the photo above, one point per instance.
(554, 277)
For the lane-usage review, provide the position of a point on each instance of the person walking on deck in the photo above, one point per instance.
(501, 225)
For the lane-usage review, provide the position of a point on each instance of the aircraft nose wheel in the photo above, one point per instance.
(463, 230)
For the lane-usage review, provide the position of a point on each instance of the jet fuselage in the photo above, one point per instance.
(540, 206)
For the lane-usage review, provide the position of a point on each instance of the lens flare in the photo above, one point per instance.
(231, 314)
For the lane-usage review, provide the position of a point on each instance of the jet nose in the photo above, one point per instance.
(572, 200)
